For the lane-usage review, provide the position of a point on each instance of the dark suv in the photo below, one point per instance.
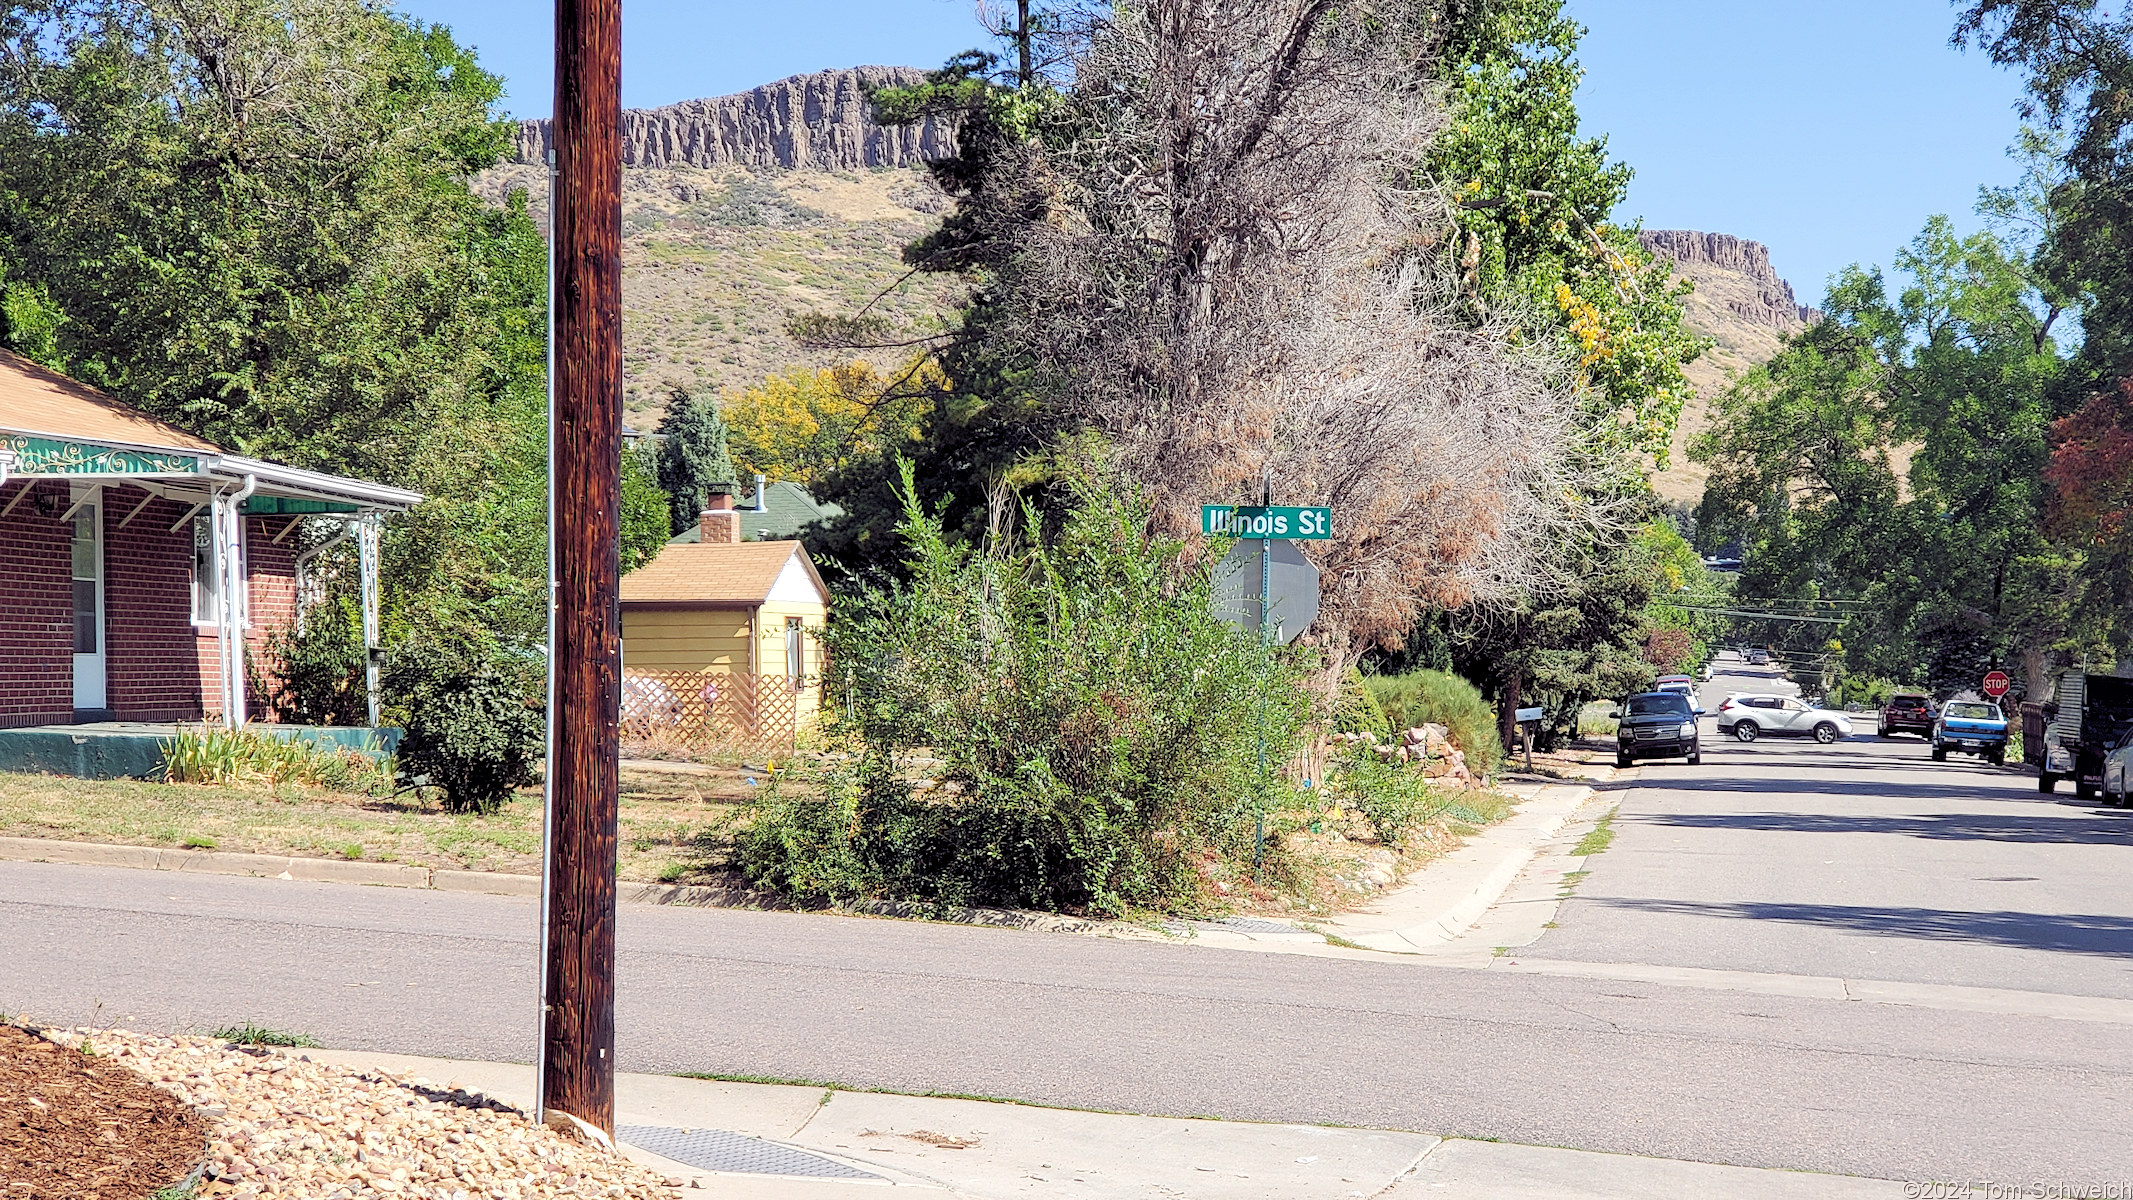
(1907, 712)
(1656, 725)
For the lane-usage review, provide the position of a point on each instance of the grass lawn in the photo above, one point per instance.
(672, 825)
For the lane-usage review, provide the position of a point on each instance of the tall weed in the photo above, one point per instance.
(1055, 719)
(249, 755)
(1397, 800)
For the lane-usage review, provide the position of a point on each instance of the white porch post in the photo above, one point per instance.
(367, 565)
(235, 605)
(218, 522)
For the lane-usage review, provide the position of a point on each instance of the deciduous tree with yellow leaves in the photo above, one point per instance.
(801, 424)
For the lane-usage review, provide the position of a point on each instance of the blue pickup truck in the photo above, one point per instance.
(1970, 727)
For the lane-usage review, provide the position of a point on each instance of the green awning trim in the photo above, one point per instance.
(267, 506)
(51, 456)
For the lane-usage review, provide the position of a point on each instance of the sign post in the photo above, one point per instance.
(1997, 683)
(1527, 719)
(1286, 602)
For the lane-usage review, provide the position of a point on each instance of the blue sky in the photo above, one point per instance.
(1827, 129)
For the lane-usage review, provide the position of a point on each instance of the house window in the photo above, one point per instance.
(207, 576)
(86, 624)
(795, 650)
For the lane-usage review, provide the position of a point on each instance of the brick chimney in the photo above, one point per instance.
(719, 522)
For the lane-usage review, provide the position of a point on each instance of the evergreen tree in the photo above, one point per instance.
(693, 459)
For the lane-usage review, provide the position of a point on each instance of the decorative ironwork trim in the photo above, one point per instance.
(52, 456)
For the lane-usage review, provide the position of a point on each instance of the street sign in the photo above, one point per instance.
(1997, 683)
(1291, 587)
(1259, 521)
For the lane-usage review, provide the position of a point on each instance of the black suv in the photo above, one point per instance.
(1907, 712)
(1656, 725)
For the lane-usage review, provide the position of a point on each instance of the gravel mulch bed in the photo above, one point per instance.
(277, 1124)
(86, 1128)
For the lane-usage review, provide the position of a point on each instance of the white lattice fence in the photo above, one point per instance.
(712, 712)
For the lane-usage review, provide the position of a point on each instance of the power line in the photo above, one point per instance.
(1768, 616)
(1801, 600)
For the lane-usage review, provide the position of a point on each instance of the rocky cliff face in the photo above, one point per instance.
(1771, 301)
(1746, 310)
(818, 122)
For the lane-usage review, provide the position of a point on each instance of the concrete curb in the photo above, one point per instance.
(266, 866)
(498, 883)
(1445, 925)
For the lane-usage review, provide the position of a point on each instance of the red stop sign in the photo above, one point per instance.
(1997, 683)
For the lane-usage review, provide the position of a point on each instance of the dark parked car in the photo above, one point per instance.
(1656, 725)
(1907, 712)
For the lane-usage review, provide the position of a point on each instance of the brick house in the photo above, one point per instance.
(138, 561)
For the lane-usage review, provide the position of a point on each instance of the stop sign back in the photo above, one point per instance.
(1997, 683)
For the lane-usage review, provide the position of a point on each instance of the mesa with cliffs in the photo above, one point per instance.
(790, 197)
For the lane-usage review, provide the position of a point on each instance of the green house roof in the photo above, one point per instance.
(787, 510)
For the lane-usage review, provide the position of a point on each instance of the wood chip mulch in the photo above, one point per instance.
(74, 1126)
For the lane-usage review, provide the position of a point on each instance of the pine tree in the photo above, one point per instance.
(693, 459)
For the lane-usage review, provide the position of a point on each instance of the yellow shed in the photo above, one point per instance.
(736, 608)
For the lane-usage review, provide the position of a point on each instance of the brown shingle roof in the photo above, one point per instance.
(714, 573)
(36, 400)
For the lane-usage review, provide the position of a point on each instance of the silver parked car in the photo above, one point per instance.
(2118, 774)
(1749, 717)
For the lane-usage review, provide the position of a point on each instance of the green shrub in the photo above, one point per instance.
(1419, 697)
(1098, 731)
(1358, 710)
(473, 728)
(318, 669)
(252, 1033)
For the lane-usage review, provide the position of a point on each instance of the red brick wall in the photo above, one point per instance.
(159, 666)
(150, 660)
(36, 608)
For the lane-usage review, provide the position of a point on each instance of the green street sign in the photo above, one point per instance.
(1251, 521)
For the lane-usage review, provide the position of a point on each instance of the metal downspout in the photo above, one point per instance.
(234, 604)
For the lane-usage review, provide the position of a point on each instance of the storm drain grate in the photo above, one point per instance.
(717, 1150)
(1252, 925)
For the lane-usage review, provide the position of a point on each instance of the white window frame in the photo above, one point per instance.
(208, 615)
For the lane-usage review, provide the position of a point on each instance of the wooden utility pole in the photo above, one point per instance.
(585, 442)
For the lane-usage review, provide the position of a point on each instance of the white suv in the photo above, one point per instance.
(1749, 717)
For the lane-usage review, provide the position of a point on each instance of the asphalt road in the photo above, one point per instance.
(1862, 859)
(1730, 1077)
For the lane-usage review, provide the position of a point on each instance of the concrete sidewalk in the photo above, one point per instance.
(1437, 906)
(782, 1142)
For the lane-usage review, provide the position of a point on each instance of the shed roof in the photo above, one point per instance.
(715, 573)
(41, 401)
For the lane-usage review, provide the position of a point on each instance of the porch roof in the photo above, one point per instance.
(55, 427)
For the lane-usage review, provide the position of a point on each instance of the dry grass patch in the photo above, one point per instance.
(673, 826)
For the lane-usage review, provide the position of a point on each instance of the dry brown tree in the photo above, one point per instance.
(1234, 278)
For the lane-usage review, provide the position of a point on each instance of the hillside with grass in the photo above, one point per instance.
(742, 211)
